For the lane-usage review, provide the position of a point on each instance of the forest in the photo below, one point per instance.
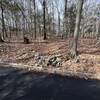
(49, 49)
(51, 34)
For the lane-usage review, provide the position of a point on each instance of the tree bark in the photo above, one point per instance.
(3, 23)
(35, 30)
(59, 23)
(73, 51)
(44, 20)
(65, 19)
(1, 40)
(97, 30)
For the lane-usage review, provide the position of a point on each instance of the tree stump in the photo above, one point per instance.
(1, 40)
(26, 40)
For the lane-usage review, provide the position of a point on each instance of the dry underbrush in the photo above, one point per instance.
(88, 60)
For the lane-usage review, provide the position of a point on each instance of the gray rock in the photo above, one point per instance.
(40, 59)
(54, 61)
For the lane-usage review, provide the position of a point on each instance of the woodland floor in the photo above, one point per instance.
(88, 60)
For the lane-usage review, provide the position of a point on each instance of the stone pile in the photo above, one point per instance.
(44, 61)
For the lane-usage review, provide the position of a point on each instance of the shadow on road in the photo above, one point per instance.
(18, 84)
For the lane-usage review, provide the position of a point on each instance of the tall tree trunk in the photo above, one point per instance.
(73, 51)
(98, 33)
(35, 30)
(53, 18)
(10, 24)
(97, 30)
(3, 23)
(1, 40)
(59, 22)
(16, 27)
(2, 11)
(44, 20)
(65, 19)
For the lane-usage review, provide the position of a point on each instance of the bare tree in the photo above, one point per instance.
(65, 18)
(73, 51)
(3, 22)
(34, 19)
(44, 20)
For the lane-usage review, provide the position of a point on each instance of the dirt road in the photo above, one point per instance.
(22, 85)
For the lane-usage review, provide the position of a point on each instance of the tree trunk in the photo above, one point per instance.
(44, 6)
(97, 30)
(59, 23)
(98, 33)
(1, 40)
(35, 32)
(65, 19)
(16, 27)
(3, 23)
(53, 20)
(73, 51)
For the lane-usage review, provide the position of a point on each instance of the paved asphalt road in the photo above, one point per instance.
(22, 85)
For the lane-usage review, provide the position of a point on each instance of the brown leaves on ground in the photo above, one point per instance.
(88, 60)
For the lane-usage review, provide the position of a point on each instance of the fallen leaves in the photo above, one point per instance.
(88, 61)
